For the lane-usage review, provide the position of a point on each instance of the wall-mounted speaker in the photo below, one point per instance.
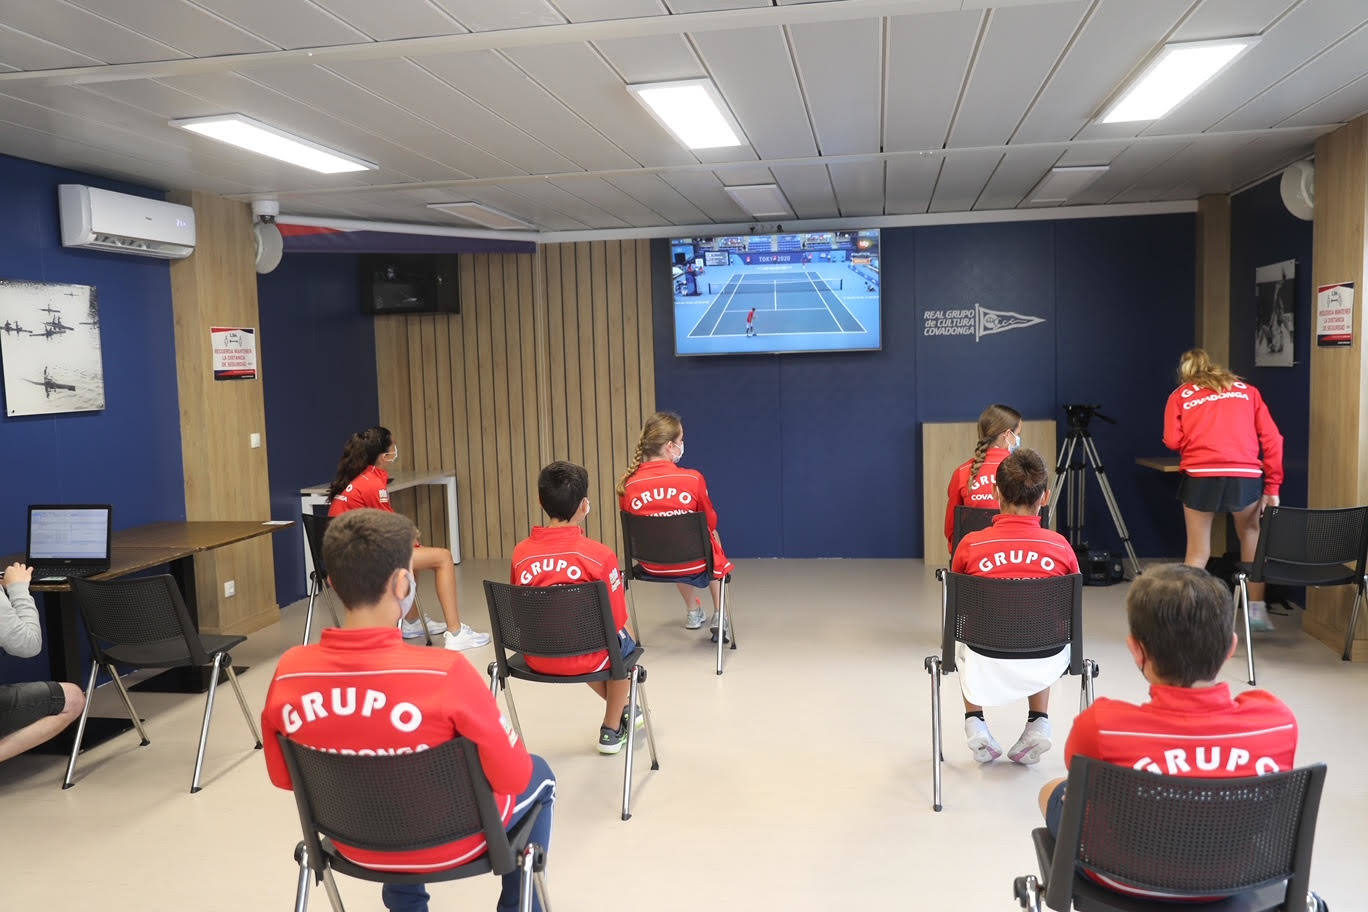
(1298, 189)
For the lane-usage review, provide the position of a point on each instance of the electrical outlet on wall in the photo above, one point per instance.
(229, 588)
(254, 441)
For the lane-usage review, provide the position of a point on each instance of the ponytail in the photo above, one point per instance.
(991, 424)
(1196, 367)
(359, 453)
(660, 429)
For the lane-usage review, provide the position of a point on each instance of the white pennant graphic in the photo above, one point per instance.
(988, 322)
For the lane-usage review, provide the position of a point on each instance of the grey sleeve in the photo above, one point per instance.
(20, 634)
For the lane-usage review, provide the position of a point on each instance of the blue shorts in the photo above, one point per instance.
(629, 645)
(1054, 809)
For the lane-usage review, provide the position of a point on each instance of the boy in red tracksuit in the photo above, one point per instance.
(361, 690)
(1231, 457)
(656, 485)
(999, 430)
(1181, 633)
(1014, 547)
(559, 553)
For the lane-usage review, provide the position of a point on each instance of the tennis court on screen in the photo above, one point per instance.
(788, 303)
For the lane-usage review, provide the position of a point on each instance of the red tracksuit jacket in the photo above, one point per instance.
(1015, 547)
(554, 556)
(661, 488)
(1224, 434)
(363, 690)
(975, 492)
(369, 489)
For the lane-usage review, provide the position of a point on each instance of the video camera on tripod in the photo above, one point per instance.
(1099, 567)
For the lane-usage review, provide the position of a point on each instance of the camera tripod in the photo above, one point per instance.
(1070, 474)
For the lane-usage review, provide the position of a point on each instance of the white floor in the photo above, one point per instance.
(799, 780)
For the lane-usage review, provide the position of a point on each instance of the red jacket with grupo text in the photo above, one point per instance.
(661, 488)
(1015, 547)
(972, 492)
(1224, 434)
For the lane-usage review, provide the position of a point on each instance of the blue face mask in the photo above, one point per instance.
(1016, 444)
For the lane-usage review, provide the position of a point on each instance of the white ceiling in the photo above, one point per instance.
(856, 108)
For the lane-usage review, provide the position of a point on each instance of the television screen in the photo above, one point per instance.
(776, 293)
(409, 283)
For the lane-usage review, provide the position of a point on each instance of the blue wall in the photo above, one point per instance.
(832, 464)
(130, 453)
(318, 359)
(1263, 232)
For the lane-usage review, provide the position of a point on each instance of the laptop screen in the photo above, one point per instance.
(68, 533)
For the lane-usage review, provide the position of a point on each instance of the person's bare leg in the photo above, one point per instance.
(1247, 528)
(1045, 793)
(439, 560)
(715, 587)
(615, 701)
(16, 743)
(599, 687)
(686, 592)
(1039, 702)
(971, 708)
(1198, 537)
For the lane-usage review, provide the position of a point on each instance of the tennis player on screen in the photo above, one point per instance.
(750, 322)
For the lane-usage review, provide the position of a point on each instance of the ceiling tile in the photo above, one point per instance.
(859, 188)
(183, 26)
(656, 58)
(1016, 176)
(1127, 168)
(577, 75)
(596, 10)
(651, 191)
(1337, 107)
(704, 190)
(733, 175)
(703, 6)
(928, 56)
(545, 193)
(500, 86)
(505, 200)
(1331, 71)
(1094, 153)
(910, 181)
(83, 32)
(1228, 18)
(612, 200)
(840, 65)
(24, 52)
(753, 70)
(808, 189)
(1013, 61)
(286, 23)
(483, 16)
(1115, 38)
(393, 18)
(406, 85)
(962, 179)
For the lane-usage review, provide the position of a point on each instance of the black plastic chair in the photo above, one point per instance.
(974, 519)
(1300, 547)
(402, 803)
(1029, 617)
(315, 527)
(1246, 839)
(561, 621)
(143, 623)
(681, 539)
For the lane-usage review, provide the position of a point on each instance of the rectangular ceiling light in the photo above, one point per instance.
(760, 200)
(481, 214)
(692, 110)
(255, 136)
(1178, 71)
(1064, 182)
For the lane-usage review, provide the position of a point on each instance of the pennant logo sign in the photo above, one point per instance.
(979, 322)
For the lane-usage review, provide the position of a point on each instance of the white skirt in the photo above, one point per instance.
(987, 681)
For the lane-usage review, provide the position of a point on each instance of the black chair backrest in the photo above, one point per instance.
(552, 621)
(1013, 616)
(396, 803)
(130, 612)
(1185, 835)
(1311, 538)
(315, 526)
(679, 539)
(972, 519)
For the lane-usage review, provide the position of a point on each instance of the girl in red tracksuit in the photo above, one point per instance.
(656, 486)
(1231, 457)
(999, 430)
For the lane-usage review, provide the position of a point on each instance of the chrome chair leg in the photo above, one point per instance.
(493, 672)
(650, 732)
(1353, 621)
(1249, 639)
(721, 622)
(528, 860)
(933, 667)
(80, 726)
(330, 885)
(631, 743)
(204, 726)
(308, 615)
(132, 713)
(512, 710)
(540, 878)
(242, 701)
(631, 611)
(302, 890)
(1090, 672)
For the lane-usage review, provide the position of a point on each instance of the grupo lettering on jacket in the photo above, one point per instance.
(1016, 557)
(1178, 761)
(315, 705)
(653, 495)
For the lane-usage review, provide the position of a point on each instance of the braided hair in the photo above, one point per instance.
(360, 452)
(660, 429)
(991, 424)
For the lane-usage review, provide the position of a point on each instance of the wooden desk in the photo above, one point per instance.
(1165, 464)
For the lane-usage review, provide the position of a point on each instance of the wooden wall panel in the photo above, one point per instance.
(550, 358)
(225, 479)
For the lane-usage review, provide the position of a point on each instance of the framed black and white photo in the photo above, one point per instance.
(1275, 290)
(50, 348)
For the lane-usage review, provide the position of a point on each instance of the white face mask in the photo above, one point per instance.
(680, 444)
(1015, 444)
(588, 507)
(406, 602)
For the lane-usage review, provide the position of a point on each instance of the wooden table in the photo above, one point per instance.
(1165, 464)
(172, 544)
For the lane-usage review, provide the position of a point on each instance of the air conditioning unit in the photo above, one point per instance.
(98, 219)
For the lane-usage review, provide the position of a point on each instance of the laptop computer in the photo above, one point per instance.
(66, 540)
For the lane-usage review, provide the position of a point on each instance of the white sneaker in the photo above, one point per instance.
(465, 639)
(1259, 621)
(1034, 741)
(694, 619)
(414, 628)
(981, 741)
